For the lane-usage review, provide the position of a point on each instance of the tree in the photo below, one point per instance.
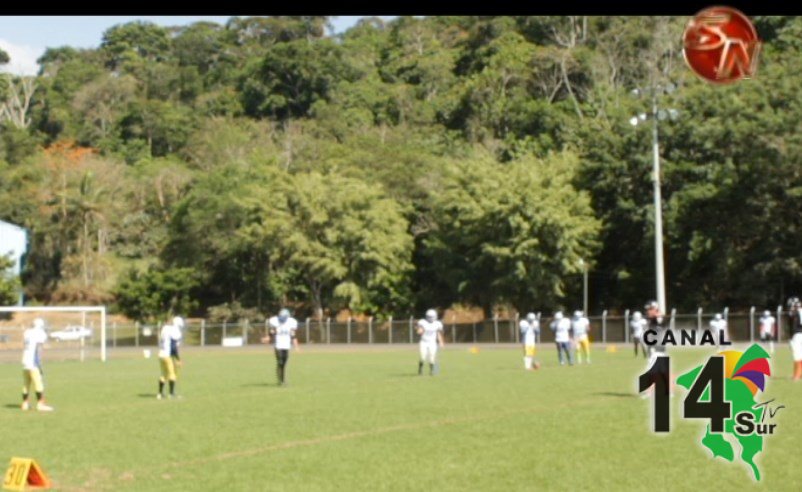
(9, 284)
(510, 233)
(345, 238)
(157, 293)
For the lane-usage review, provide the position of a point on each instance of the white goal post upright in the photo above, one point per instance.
(67, 309)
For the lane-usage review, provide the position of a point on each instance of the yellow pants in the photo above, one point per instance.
(529, 350)
(32, 377)
(168, 368)
(583, 345)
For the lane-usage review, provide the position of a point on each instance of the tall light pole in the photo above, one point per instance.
(657, 115)
(584, 286)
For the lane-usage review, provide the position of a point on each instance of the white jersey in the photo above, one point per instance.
(767, 325)
(430, 330)
(580, 326)
(283, 333)
(720, 325)
(561, 330)
(529, 330)
(638, 327)
(168, 335)
(32, 339)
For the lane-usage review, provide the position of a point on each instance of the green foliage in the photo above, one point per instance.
(156, 293)
(511, 232)
(9, 283)
(225, 149)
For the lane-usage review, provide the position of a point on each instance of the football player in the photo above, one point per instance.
(282, 330)
(581, 328)
(562, 337)
(33, 339)
(431, 336)
(768, 327)
(169, 360)
(530, 328)
(637, 325)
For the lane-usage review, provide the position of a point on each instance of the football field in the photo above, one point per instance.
(356, 418)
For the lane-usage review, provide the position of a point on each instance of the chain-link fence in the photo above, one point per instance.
(605, 328)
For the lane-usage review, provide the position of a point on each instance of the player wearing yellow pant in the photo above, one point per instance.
(33, 338)
(581, 327)
(530, 327)
(169, 338)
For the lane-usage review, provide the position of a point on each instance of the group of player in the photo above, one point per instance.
(571, 336)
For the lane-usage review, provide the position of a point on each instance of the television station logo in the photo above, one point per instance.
(720, 45)
(727, 391)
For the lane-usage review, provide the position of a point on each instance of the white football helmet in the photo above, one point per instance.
(178, 321)
(578, 313)
(283, 315)
(39, 324)
(531, 317)
(431, 315)
(558, 315)
(637, 316)
(767, 313)
(717, 317)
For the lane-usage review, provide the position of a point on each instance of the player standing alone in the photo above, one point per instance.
(169, 360)
(33, 338)
(581, 326)
(562, 337)
(431, 335)
(530, 327)
(795, 327)
(718, 326)
(282, 329)
(767, 329)
(638, 324)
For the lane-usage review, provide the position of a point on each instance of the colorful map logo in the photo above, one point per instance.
(746, 422)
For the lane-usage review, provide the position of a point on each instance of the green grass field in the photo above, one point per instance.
(356, 419)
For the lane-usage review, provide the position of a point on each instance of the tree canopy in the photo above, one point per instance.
(398, 166)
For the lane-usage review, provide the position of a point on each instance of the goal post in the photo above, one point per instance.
(101, 310)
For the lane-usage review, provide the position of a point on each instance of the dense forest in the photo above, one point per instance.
(398, 166)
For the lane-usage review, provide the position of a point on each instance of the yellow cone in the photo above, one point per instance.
(612, 349)
(474, 350)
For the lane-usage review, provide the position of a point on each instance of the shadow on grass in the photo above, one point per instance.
(259, 385)
(15, 406)
(407, 375)
(613, 393)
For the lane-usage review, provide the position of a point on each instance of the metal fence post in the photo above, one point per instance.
(348, 330)
(779, 323)
(453, 328)
(114, 334)
(752, 324)
(672, 324)
(225, 329)
(245, 331)
(203, 333)
(474, 332)
(411, 323)
(626, 326)
(495, 326)
(726, 313)
(390, 333)
(328, 330)
(370, 329)
(604, 326)
(306, 329)
(136, 334)
(699, 319)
